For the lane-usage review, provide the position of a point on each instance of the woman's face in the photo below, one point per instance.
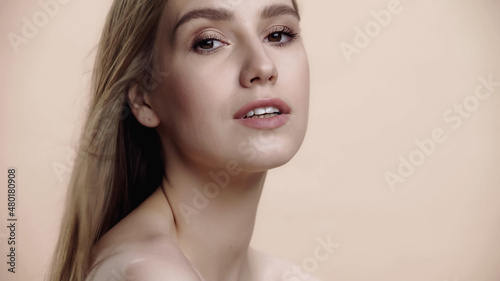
(224, 61)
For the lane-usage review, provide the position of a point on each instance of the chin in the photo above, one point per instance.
(268, 156)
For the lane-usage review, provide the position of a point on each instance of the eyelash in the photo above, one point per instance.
(283, 30)
(205, 38)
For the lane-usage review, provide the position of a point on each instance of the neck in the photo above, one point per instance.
(214, 215)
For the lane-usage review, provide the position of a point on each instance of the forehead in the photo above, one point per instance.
(240, 9)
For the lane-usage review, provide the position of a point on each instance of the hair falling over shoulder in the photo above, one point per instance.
(109, 176)
(118, 164)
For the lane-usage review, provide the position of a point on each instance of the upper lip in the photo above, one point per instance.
(274, 102)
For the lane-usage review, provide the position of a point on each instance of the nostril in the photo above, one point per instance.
(271, 78)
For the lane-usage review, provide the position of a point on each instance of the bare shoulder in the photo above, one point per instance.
(273, 268)
(158, 262)
(140, 247)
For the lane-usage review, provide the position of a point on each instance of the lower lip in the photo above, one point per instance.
(265, 123)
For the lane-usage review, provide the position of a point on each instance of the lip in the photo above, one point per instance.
(264, 123)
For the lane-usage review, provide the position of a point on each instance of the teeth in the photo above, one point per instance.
(267, 115)
(262, 112)
(271, 109)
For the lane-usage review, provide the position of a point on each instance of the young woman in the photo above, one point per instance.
(193, 102)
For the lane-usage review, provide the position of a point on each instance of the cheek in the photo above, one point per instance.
(300, 91)
(297, 81)
(191, 111)
(199, 91)
(303, 82)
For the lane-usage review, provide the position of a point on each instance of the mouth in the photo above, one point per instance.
(264, 114)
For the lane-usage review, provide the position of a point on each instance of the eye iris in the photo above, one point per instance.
(275, 37)
(207, 44)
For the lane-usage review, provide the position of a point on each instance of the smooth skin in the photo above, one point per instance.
(213, 64)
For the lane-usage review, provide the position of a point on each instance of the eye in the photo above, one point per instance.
(281, 36)
(207, 44)
(276, 37)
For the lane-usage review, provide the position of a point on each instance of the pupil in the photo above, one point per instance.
(208, 44)
(275, 37)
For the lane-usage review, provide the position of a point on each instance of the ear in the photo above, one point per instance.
(141, 107)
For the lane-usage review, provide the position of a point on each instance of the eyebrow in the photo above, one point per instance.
(208, 13)
(278, 10)
(221, 14)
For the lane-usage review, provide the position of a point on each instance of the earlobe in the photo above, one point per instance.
(140, 107)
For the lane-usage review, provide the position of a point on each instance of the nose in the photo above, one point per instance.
(258, 68)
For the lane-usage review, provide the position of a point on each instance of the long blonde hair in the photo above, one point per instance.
(118, 164)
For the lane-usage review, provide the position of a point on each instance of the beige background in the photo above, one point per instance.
(442, 223)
